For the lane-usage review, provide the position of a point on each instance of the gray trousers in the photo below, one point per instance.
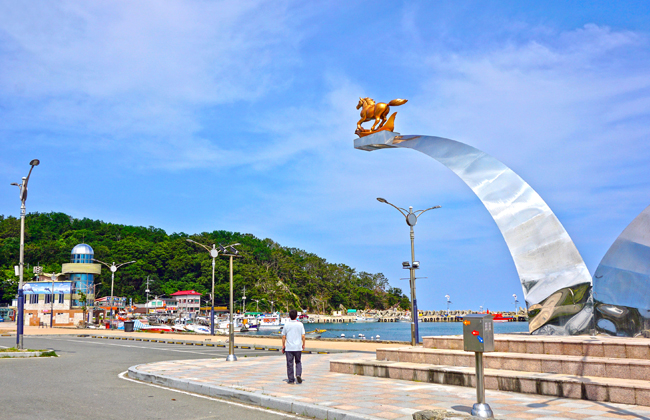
(291, 356)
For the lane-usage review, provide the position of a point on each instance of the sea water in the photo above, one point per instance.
(399, 331)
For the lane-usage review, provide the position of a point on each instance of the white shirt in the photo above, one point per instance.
(294, 331)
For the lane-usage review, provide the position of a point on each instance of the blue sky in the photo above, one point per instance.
(197, 116)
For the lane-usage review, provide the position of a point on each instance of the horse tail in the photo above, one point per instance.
(397, 102)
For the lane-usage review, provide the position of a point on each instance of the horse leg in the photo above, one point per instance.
(361, 121)
(375, 124)
(383, 117)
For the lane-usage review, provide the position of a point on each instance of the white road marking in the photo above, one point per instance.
(250, 407)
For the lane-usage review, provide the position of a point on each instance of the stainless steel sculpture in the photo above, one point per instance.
(554, 278)
(622, 282)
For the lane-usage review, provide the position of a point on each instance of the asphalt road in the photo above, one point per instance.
(84, 382)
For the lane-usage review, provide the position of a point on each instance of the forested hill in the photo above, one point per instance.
(288, 276)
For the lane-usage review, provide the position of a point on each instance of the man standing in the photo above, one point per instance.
(293, 343)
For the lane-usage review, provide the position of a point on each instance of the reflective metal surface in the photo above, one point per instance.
(83, 249)
(622, 282)
(550, 268)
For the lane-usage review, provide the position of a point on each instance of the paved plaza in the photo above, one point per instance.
(264, 379)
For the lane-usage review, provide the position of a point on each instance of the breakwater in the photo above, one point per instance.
(405, 316)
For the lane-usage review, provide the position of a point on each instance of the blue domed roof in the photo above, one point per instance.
(84, 249)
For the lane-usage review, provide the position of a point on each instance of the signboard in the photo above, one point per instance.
(44, 288)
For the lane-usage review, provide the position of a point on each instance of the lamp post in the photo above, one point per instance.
(411, 220)
(214, 253)
(243, 306)
(113, 269)
(54, 276)
(231, 331)
(20, 321)
(516, 302)
(448, 303)
(257, 305)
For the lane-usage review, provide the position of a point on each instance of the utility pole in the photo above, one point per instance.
(147, 292)
(243, 311)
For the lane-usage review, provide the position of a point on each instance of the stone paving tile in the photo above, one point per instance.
(382, 398)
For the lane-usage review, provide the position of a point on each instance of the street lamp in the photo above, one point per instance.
(411, 220)
(214, 253)
(54, 276)
(257, 305)
(231, 333)
(113, 269)
(516, 302)
(244, 303)
(21, 268)
(448, 303)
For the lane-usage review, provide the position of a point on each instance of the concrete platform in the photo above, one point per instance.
(331, 395)
(604, 367)
(600, 346)
(607, 369)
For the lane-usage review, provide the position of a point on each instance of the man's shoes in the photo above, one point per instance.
(291, 382)
(299, 379)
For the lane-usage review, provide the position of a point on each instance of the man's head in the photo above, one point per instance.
(293, 314)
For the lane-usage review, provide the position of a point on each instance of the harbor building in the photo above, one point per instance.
(188, 302)
(81, 271)
(67, 294)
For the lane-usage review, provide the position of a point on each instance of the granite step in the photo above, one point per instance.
(593, 388)
(610, 347)
(579, 366)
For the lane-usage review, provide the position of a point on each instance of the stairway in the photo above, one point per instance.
(599, 369)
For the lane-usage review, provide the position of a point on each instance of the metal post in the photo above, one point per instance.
(212, 310)
(21, 299)
(415, 339)
(52, 306)
(243, 306)
(231, 342)
(112, 299)
(411, 220)
(480, 409)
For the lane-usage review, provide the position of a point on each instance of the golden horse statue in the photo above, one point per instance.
(370, 110)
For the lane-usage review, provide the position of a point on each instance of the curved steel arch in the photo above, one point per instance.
(554, 277)
(622, 281)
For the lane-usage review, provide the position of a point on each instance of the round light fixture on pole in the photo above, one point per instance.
(20, 315)
(214, 253)
(411, 220)
(113, 268)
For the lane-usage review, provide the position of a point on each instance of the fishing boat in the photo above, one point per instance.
(365, 319)
(156, 328)
(197, 329)
(498, 317)
(314, 334)
(269, 321)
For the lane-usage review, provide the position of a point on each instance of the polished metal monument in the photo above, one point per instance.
(622, 282)
(554, 277)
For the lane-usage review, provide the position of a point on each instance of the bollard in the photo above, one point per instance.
(478, 336)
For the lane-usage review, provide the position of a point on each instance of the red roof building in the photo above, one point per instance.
(189, 302)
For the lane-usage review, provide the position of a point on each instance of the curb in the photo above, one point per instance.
(254, 398)
(207, 344)
(20, 354)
